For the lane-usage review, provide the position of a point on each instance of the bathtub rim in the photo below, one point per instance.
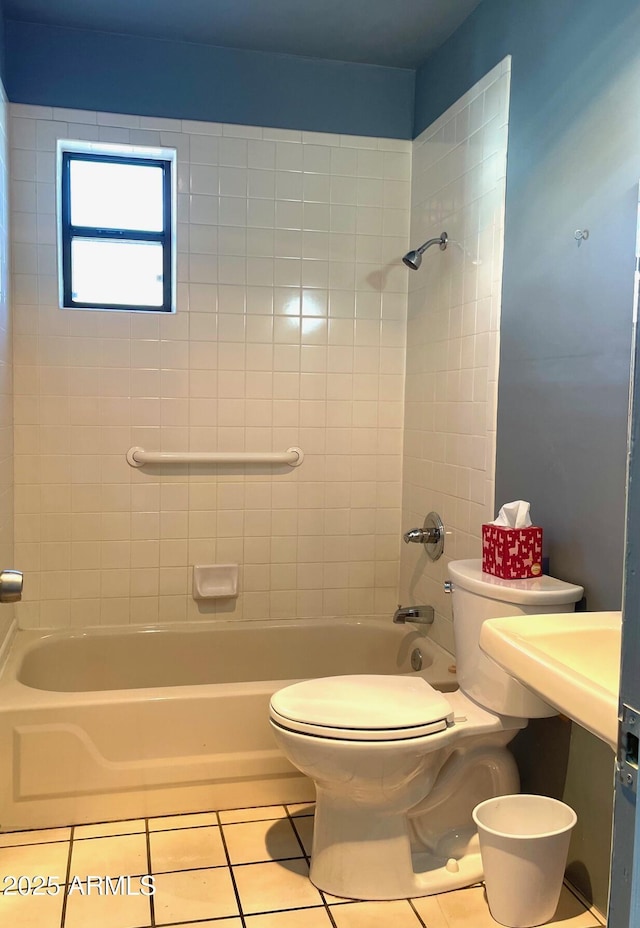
(18, 695)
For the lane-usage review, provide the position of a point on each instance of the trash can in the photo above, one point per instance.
(523, 843)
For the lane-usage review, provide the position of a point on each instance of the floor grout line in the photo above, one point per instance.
(307, 857)
(329, 912)
(298, 838)
(416, 913)
(231, 873)
(197, 921)
(65, 897)
(152, 907)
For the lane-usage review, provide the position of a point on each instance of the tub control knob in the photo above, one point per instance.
(10, 586)
(431, 535)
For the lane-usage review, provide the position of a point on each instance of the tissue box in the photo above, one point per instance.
(512, 553)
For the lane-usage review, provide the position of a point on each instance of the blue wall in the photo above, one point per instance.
(2, 45)
(150, 77)
(573, 162)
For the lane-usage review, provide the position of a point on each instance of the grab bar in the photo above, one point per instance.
(138, 457)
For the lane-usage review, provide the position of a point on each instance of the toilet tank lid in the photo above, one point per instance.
(540, 591)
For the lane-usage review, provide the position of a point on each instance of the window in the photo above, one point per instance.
(116, 227)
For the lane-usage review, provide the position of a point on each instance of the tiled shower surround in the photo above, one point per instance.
(458, 186)
(290, 331)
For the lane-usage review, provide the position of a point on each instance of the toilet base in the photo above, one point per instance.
(364, 849)
(359, 853)
(430, 875)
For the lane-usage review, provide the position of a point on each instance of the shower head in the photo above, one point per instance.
(413, 259)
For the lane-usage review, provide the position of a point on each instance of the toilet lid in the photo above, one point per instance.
(362, 707)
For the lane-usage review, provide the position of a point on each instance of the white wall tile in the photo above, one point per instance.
(452, 334)
(274, 288)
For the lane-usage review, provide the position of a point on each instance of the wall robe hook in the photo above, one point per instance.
(581, 235)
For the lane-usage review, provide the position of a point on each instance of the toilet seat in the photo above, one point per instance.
(362, 707)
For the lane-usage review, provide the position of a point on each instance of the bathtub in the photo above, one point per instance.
(118, 723)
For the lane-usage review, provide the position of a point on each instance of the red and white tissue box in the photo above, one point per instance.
(512, 553)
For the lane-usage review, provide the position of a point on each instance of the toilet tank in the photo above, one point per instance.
(476, 597)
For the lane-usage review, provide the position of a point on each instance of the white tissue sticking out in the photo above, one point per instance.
(514, 515)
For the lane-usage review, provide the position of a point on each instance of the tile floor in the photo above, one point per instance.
(245, 868)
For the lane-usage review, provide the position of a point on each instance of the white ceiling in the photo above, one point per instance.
(394, 33)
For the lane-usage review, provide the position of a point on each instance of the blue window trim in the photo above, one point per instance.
(69, 231)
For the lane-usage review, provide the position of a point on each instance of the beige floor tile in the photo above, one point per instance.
(301, 808)
(118, 910)
(250, 842)
(376, 915)
(275, 886)
(467, 908)
(194, 894)
(47, 835)
(300, 918)
(109, 829)
(258, 814)
(183, 821)
(304, 827)
(125, 855)
(31, 911)
(36, 860)
(187, 849)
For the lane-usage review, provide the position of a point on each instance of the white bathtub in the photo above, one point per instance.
(119, 723)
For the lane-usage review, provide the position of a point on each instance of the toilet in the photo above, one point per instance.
(398, 766)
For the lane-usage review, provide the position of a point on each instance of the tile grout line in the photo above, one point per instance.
(246, 863)
(416, 913)
(290, 817)
(199, 921)
(147, 836)
(63, 913)
(231, 873)
(308, 860)
(327, 909)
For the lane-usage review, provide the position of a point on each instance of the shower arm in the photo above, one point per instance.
(441, 240)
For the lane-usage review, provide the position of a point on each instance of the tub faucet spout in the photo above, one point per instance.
(419, 615)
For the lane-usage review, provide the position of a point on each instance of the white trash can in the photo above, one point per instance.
(524, 842)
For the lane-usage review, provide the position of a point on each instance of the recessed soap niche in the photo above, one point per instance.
(215, 581)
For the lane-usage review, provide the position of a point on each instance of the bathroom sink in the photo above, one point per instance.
(571, 660)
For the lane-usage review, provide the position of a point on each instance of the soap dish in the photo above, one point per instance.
(215, 581)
